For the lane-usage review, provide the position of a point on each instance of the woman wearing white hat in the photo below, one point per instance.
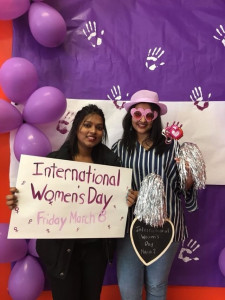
(143, 149)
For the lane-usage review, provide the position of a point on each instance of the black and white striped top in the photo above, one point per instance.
(144, 162)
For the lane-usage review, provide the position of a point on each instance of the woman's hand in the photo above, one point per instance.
(11, 200)
(131, 197)
(189, 181)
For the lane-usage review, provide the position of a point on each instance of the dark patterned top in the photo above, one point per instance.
(144, 162)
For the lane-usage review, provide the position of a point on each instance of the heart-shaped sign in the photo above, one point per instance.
(149, 242)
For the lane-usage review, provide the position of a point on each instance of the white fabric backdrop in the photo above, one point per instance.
(204, 128)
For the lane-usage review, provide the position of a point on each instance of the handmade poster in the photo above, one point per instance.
(150, 242)
(67, 199)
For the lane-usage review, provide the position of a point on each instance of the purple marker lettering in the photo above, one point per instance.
(58, 171)
(91, 194)
(99, 179)
(38, 194)
(49, 195)
(106, 201)
(40, 217)
(82, 176)
(102, 216)
(37, 166)
(81, 196)
(50, 171)
(118, 178)
(89, 173)
(86, 219)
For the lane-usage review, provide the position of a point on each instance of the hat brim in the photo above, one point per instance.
(163, 107)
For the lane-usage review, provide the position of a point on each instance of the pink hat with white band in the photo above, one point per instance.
(146, 96)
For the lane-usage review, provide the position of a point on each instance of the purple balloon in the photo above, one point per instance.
(26, 281)
(10, 249)
(31, 141)
(46, 24)
(10, 117)
(12, 9)
(45, 105)
(221, 261)
(18, 78)
(32, 247)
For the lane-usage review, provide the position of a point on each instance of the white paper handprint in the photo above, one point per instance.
(91, 34)
(152, 59)
(116, 96)
(186, 252)
(221, 35)
(198, 100)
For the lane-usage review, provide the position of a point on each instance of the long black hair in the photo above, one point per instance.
(129, 136)
(72, 141)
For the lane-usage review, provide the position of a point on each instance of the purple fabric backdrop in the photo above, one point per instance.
(184, 30)
(206, 227)
(168, 46)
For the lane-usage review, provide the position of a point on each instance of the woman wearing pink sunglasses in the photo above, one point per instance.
(143, 149)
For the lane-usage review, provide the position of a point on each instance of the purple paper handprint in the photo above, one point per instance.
(63, 125)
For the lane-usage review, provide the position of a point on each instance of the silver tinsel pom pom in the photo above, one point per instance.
(151, 207)
(190, 153)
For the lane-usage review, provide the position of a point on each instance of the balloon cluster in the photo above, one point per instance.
(26, 280)
(46, 23)
(19, 81)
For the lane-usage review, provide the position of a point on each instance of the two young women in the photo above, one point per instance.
(76, 268)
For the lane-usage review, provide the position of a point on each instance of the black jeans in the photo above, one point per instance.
(86, 274)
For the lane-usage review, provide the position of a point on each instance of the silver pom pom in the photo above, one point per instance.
(151, 207)
(190, 154)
